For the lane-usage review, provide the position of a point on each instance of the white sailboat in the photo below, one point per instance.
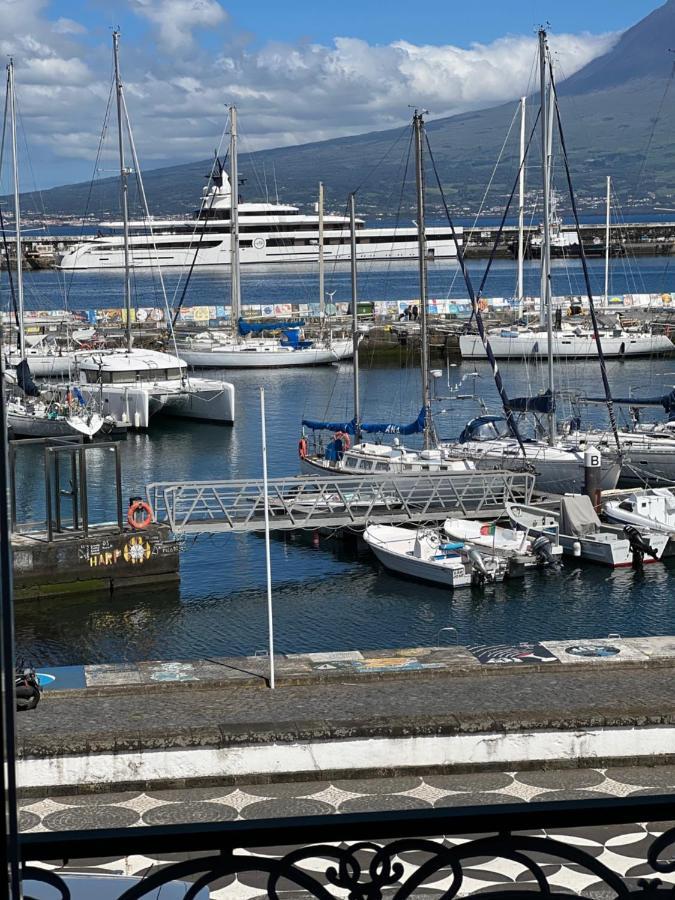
(494, 442)
(29, 414)
(241, 348)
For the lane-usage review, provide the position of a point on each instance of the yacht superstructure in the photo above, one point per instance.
(268, 233)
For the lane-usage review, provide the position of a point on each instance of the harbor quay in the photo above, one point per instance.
(444, 709)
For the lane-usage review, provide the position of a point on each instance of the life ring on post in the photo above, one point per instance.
(302, 447)
(136, 507)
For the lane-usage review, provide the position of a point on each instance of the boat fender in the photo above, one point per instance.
(576, 549)
(136, 507)
(302, 448)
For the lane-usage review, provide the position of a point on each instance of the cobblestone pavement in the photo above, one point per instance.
(64, 723)
(622, 848)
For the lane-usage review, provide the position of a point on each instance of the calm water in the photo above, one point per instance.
(333, 596)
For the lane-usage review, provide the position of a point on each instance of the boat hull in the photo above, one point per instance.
(565, 346)
(264, 358)
(202, 399)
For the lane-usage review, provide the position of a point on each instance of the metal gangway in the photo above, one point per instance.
(300, 502)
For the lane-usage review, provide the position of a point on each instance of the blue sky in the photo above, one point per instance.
(298, 71)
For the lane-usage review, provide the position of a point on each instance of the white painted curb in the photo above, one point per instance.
(505, 749)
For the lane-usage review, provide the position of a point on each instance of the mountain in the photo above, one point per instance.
(616, 112)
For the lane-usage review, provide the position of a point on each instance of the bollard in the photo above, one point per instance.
(593, 476)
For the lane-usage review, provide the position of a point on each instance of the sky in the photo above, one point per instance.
(298, 71)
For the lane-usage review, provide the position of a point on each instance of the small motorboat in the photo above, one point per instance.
(575, 524)
(652, 509)
(521, 551)
(422, 554)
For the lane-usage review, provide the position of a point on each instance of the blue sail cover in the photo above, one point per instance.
(348, 427)
(256, 327)
(543, 403)
(667, 401)
(392, 428)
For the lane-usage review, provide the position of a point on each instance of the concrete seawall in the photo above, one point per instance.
(571, 703)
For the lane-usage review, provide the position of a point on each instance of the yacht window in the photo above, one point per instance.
(351, 463)
(381, 467)
(172, 374)
(121, 377)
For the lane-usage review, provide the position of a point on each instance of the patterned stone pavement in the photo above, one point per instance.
(622, 848)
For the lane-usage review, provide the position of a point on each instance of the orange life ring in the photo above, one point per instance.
(344, 437)
(131, 515)
(302, 448)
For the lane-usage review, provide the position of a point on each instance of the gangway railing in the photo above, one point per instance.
(312, 503)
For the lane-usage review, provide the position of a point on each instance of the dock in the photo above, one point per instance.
(449, 708)
(341, 501)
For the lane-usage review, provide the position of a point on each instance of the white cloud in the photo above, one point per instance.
(175, 20)
(177, 88)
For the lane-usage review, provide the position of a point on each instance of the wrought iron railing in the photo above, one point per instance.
(367, 856)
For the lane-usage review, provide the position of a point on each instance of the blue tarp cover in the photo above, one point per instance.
(370, 428)
(543, 403)
(256, 327)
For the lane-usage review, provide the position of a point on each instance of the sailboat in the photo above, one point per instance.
(495, 442)
(133, 384)
(244, 347)
(29, 412)
(370, 458)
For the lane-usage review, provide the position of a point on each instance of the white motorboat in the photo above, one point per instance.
(571, 343)
(518, 548)
(575, 524)
(558, 468)
(213, 351)
(421, 554)
(132, 386)
(651, 509)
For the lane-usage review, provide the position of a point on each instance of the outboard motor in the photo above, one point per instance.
(543, 550)
(639, 546)
(478, 564)
(26, 688)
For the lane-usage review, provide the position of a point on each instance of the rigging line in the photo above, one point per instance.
(496, 374)
(500, 230)
(198, 219)
(654, 126)
(92, 180)
(10, 277)
(381, 160)
(584, 266)
(493, 175)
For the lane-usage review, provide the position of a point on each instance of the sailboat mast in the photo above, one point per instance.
(17, 209)
(546, 243)
(520, 292)
(355, 317)
(607, 227)
(321, 259)
(235, 283)
(418, 124)
(124, 188)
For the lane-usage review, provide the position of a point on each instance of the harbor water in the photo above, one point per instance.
(330, 594)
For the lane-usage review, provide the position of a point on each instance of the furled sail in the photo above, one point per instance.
(348, 427)
(25, 380)
(416, 427)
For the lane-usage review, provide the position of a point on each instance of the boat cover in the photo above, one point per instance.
(578, 516)
(256, 327)
(543, 403)
(369, 427)
(25, 380)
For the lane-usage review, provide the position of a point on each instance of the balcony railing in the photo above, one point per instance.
(368, 856)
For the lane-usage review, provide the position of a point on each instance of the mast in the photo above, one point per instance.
(546, 134)
(321, 259)
(355, 318)
(520, 291)
(235, 284)
(418, 125)
(124, 188)
(17, 208)
(607, 226)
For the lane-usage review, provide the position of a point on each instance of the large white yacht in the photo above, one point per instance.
(268, 233)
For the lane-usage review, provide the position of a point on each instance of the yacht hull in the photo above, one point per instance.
(202, 399)
(569, 346)
(264, 357)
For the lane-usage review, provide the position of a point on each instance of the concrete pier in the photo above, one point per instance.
(179, 723)
(106, 560)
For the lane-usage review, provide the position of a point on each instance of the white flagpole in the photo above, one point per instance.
(268, 562)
